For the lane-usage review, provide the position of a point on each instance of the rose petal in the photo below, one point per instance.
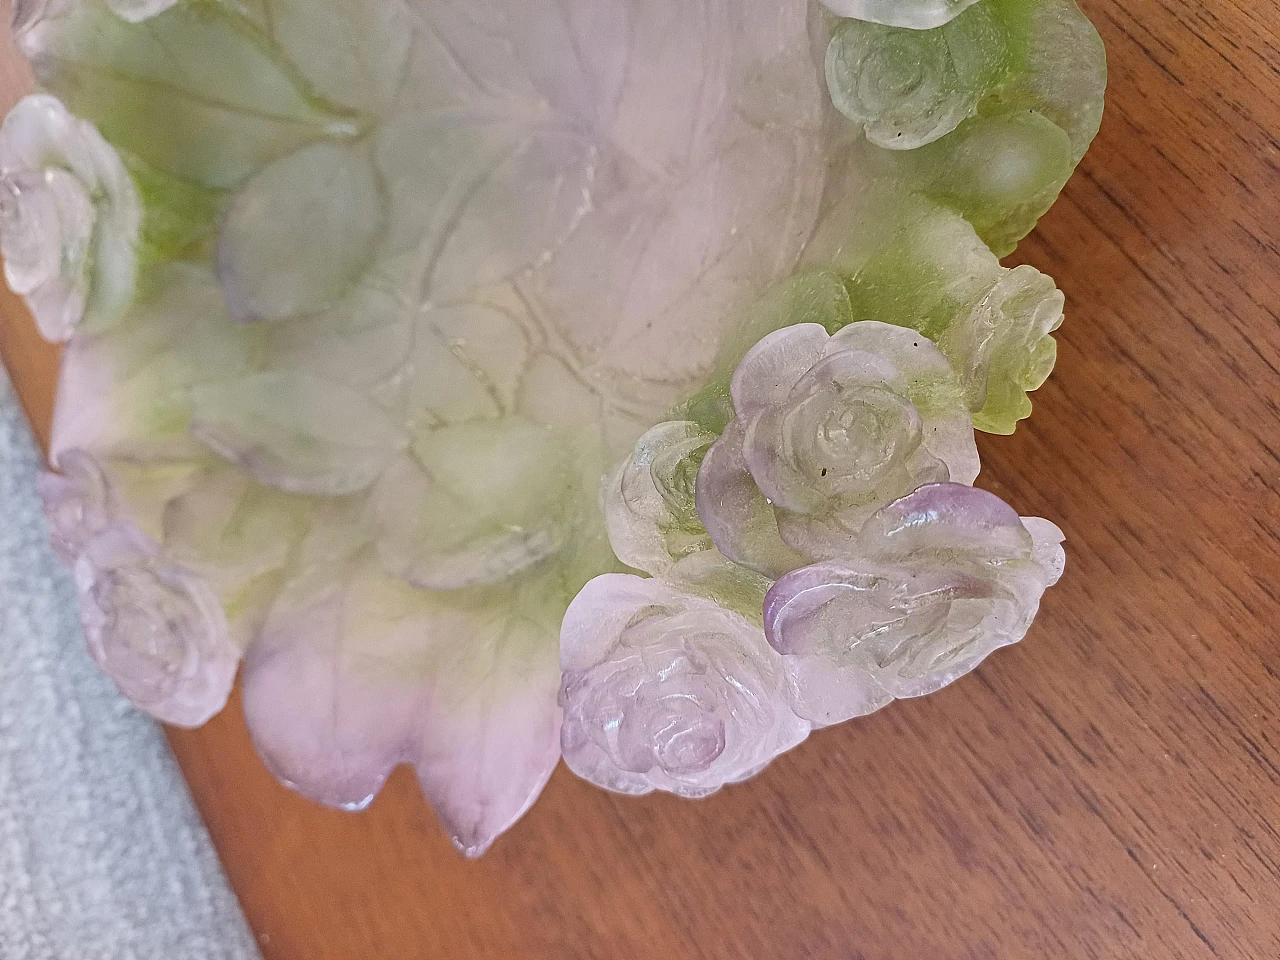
(1047, 538)
(935, 583)
(946, 519)
(738, 518)
(771, 368)
(950, 439)
(598, 614)
(922, 366)
(825, 697)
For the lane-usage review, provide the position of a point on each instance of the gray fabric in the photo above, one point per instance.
(102, 853)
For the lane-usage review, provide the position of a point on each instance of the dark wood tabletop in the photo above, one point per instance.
(1109, 788)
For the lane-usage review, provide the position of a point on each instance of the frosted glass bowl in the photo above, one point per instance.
(395, 326)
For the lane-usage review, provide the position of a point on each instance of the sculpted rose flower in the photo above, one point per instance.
(69, 218)
(913, 14)
(1001, 348)
(152, 625)
(649, 507)
(667, 690)
(155, 629)
(934, 583)
(828, 429)
(909, 87)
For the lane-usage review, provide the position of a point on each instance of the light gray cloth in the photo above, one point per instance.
(102, 853)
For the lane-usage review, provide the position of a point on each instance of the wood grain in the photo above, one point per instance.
(1108, 789)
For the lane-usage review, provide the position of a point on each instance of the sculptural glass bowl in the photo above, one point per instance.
(504, 379)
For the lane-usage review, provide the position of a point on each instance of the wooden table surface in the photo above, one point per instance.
(1110, 788)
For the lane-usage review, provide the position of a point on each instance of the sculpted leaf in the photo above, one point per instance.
(194, 92)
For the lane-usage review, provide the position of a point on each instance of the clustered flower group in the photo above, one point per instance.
(821, 557)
